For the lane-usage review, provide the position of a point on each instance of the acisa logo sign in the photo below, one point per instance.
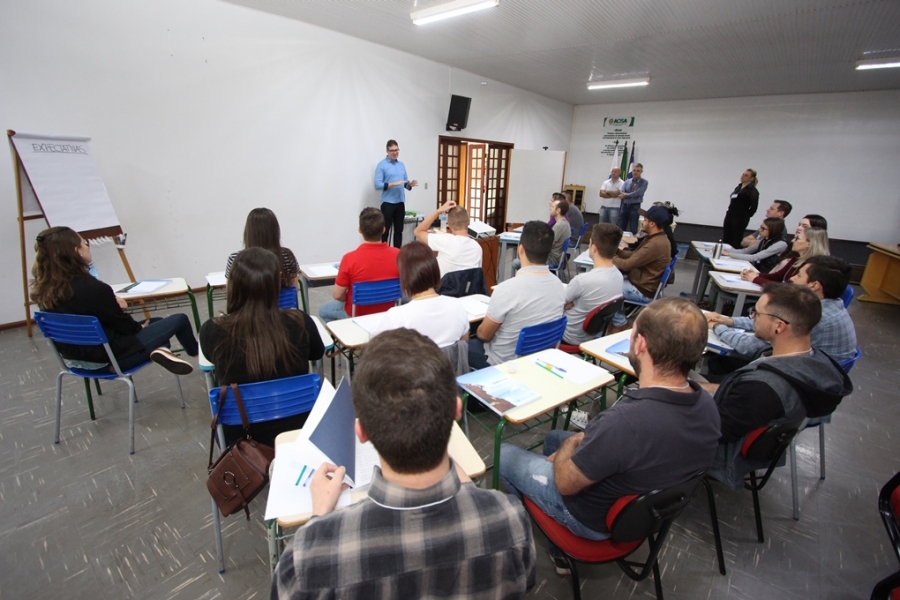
(618, 121)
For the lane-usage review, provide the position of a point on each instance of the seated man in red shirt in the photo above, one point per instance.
(373, 260)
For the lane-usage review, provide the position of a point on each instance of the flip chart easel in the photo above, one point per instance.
(58, 181)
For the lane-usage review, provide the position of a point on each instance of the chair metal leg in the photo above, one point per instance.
(217, 531)
(180, 393)
(757, 512)
(97, 385)
(821, 450)
(794, 485)
(272, 530)
(498, 439)
(715, 524)
(657, 579)
(132, 399)
(59, 403)
(576, 587)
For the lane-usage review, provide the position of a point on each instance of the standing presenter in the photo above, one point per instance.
(744, 200)
(391, 180)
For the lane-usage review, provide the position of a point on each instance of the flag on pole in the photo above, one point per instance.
(614, 156)
(631, 164)
(624, 165)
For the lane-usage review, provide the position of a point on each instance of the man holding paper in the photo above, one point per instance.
(654, 437)
(425, 530)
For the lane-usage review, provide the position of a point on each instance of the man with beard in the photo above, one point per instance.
(654, 437)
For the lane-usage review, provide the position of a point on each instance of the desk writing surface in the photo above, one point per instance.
(323, 332)
(554, 391)
(216, 279)
(598, 349)
(734, 283)
(584, 260)
(730, 265)
(320, 270)
(176, 286)
(460, 448)
(510, 236)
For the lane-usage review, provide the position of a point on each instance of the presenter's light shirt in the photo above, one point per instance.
(387, 171)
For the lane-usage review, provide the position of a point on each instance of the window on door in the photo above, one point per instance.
(475, 174)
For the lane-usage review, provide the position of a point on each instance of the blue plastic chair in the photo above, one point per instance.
(847, 296)
(820, 423)
(366, 293)
(663, 282)
(287, 298)
(563, 260)
(82, 330)
(541, 336)
(263, 401)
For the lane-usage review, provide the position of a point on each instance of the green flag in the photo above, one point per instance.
(624, 162)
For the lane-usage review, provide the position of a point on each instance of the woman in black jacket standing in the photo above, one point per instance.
(744, 200)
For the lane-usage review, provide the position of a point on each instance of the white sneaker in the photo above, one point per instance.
(579, 419)
(170, 361)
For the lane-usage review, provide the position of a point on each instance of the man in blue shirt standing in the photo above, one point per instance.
(391, 180)
(632, 195)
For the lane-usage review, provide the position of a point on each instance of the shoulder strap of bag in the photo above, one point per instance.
(240, 403)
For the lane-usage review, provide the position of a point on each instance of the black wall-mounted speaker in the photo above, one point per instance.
(459, 113)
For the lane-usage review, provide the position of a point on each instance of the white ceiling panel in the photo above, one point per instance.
(689, 48)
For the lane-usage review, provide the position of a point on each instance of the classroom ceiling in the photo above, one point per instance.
(689, 48)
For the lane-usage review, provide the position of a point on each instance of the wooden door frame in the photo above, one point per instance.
(463, 141)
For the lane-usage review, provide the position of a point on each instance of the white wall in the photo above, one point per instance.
(832, 154)
(202, 110)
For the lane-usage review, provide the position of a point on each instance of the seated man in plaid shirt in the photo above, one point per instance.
(424, 530)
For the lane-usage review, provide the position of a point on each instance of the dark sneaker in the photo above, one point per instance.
(171, 362)
(561, 565)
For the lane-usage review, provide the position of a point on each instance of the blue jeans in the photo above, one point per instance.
(632, 294)
(333, 310)
(477, 355)
(158, 333)
(609, 214)
(628, 218)
(525, 473)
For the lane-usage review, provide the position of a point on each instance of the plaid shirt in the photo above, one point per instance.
(834, 335)
(447, 541)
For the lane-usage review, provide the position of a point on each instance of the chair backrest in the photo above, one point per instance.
(78, 330)
(287, 298)
(598, 320)
(366, 293)
(268, 400)
(634, 518)
(889, 508)
(563, 258)
(535, 338)
(848, 364)
(580, 236)
(463, 283)
(847, 296)
(664, 280)
(767, 444)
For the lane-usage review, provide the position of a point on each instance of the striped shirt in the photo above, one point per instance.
(289, 266)
(450, 540)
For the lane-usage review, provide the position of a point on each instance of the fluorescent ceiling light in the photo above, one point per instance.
(618, 83)
(450, 9)
(877, 63)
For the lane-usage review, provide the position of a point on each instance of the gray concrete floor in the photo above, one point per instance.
(84, 519)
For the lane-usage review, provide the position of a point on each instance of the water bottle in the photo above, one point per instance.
(443, 221)
(717, 250)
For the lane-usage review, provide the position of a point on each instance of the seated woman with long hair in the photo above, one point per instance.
(255, 340)
(441, 318)
(63, 284)
(767, 251)
(262, 231)
(808, 242)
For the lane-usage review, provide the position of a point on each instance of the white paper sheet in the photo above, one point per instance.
(572, 368)
(286, 497)
(475, 306)
(366, 460)
(321, 271)
(148, 286)
(216, 279)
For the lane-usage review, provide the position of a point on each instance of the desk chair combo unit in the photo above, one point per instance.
(820, 423)
(81, 330)
(366, 293)
(631, 520)
(532, 339)
(889, 508)
(263, 401)
(762, 445)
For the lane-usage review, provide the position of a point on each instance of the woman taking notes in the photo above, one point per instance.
(441, 318)
(744, 200)
(63, 284)
(262, 231)
(256, 341)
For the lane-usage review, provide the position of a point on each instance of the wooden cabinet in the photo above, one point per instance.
(577, 195)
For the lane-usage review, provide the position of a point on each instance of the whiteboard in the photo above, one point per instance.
(64, 177)
(533, 177)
